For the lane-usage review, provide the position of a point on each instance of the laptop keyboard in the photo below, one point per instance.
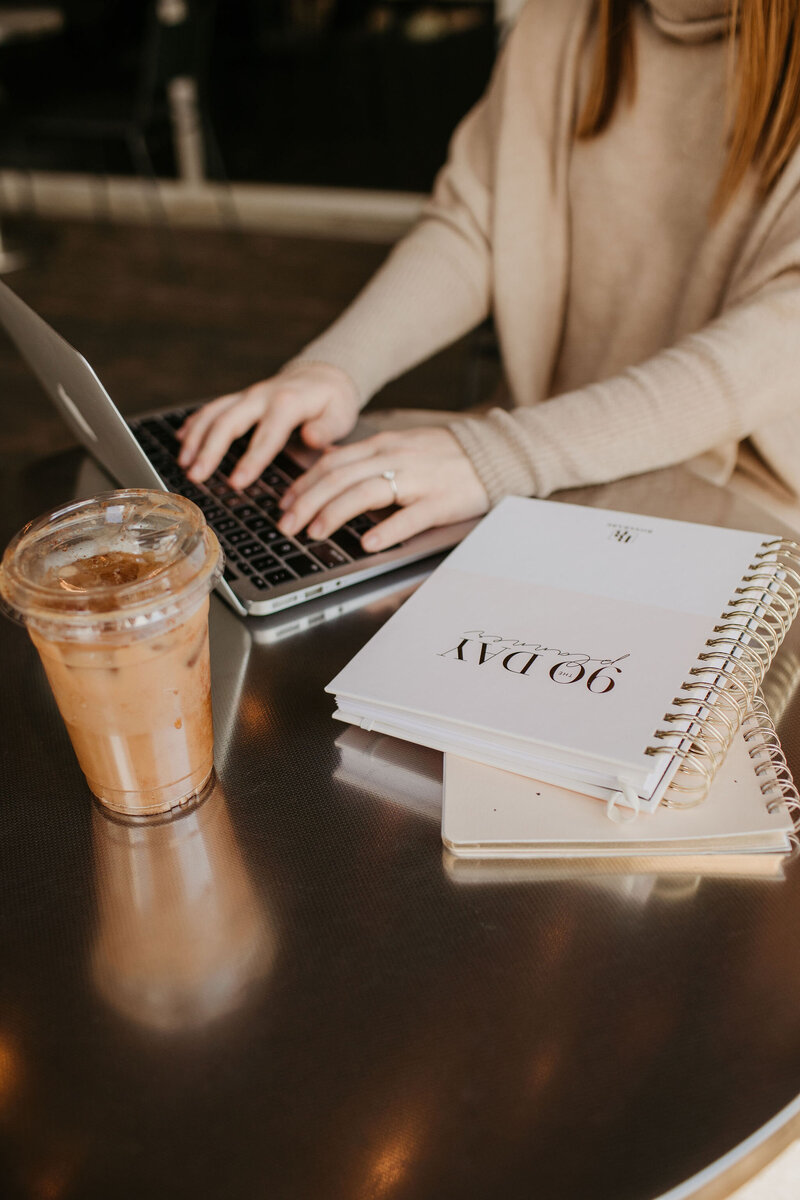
(245, 522)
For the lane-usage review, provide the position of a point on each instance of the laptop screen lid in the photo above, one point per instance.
(77, 393)
(82, 400)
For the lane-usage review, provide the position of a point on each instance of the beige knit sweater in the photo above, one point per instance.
(634, 333)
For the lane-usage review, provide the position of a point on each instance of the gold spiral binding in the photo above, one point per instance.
(782, 682)
(723, 688)
(772, 629)
(688, 719)
(732, 642)
(772, 770)
(782, 618)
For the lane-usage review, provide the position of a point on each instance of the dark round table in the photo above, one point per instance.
(291, 993)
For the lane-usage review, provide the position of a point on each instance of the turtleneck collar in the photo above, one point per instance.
(691, 20)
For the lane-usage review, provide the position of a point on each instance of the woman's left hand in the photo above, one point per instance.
(435, 484)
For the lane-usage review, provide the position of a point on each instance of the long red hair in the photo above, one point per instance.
(764, 85)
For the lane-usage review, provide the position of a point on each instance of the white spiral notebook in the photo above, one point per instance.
(603, 652)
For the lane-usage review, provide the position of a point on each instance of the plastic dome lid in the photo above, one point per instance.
(125, 560)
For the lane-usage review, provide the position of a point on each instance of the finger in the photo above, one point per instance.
(231, 423)
(328, 463)
(403, 524)
(285, 412)
(362, 497)
(192, 418)
(194, 428)
(343, 480)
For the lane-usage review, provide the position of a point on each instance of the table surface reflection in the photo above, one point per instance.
(291, 992)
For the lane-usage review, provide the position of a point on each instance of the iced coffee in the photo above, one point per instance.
(114, 593)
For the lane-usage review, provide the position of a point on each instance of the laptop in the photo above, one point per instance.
(265, 571)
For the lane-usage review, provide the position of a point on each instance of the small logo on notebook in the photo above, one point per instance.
(625, 533)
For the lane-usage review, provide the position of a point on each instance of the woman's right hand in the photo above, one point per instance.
(318, 399)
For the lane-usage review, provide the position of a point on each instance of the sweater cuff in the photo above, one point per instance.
(492, 444)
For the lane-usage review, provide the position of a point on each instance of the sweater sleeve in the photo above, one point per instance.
(435, 285)
(734, 378)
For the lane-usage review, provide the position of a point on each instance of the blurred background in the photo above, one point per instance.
(190, 191)
(341, 93)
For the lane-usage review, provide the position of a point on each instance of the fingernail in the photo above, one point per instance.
(236, 481)
(315, 530)
(288, 524)
(370, 541)
(286, 500)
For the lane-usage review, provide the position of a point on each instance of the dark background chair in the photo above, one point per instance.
(351, 93)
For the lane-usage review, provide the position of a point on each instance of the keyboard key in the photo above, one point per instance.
(218, 487)
(229, 574)
(362, 523)
(208, 504)
(269, 536)
(270, 508)
(168, 440)
(258, 582)
(215, 513)
(279, 576)
(266, 562)
(166, 467)
(301, 564)
(286, 464)
(328, 554)
(225, 525)
(245, 511)
(238, 535)
(257, 524)
(173, 477)
(174, 419)
(255, 490)
(349, 542)
(249, 549)
(274, 479)
(283, 548)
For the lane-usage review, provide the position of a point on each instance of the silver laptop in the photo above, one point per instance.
(265, 570)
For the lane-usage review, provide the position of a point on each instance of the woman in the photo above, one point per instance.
(625, 200)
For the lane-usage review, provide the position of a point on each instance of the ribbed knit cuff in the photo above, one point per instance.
(491, 446)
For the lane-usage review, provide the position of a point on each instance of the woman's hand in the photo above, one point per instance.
(319, 399)
(436, 485)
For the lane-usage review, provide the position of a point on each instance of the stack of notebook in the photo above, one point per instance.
(593, 679)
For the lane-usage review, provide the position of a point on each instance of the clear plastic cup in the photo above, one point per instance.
(114, 593)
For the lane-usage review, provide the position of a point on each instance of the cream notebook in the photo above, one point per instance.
(751, 808)
(600, 651)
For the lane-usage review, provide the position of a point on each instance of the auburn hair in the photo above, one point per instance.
(763, 85)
